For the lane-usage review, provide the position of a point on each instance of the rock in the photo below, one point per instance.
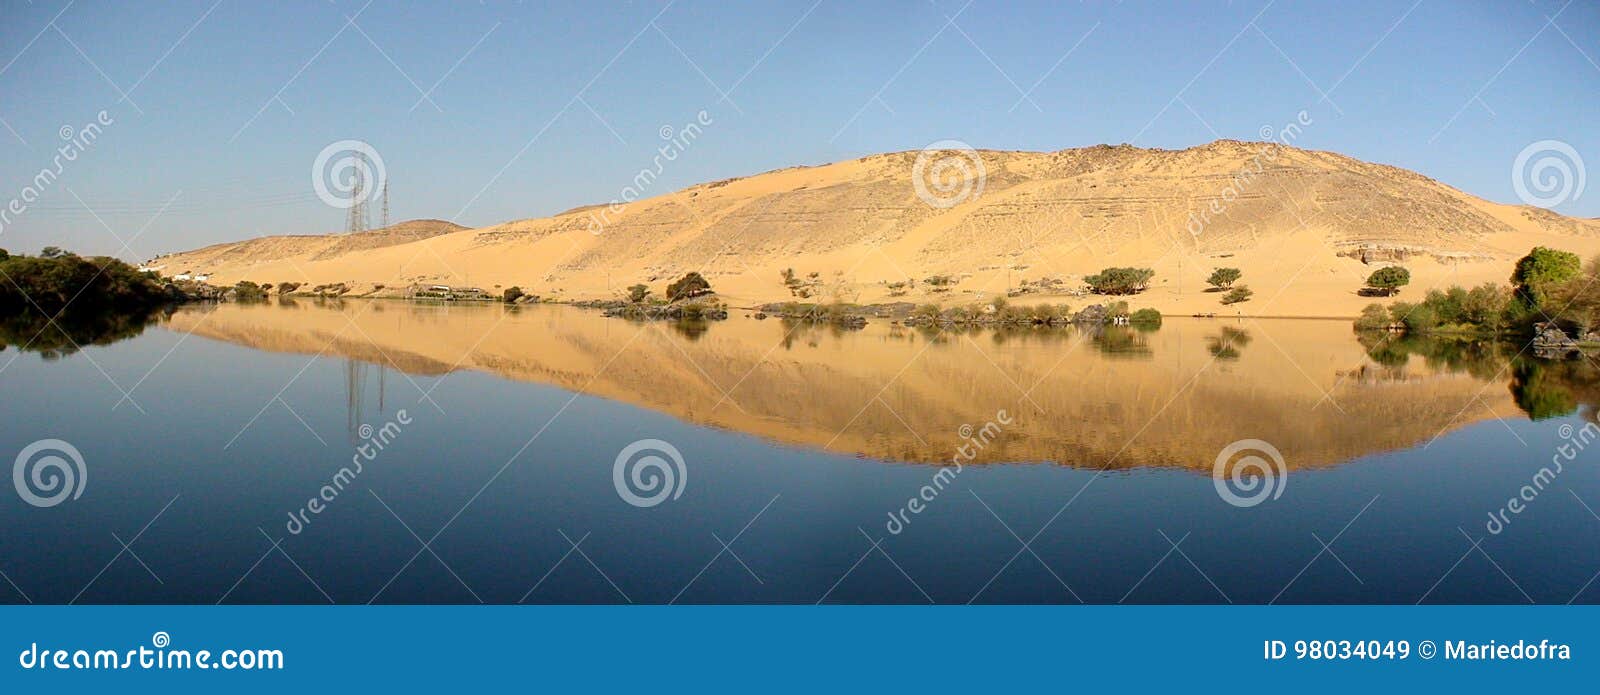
(1549, 335)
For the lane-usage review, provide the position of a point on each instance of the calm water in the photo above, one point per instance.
(797, 444)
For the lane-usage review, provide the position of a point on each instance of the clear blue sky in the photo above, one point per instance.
(224, 122)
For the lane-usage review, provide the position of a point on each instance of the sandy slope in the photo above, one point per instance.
(1306, 228)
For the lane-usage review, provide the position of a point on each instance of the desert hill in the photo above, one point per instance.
(1306, 227)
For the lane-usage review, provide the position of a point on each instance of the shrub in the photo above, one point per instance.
(287, 287)
(1388, 281)
(637, 293)
(1116, 281)
(1238, 294)
(1373, 318)
(1486, 305)
(1223, 278)
(1145, 316)
(247, 290)
(1418, 318)
(688, 286)
(50, 284)
(511, 294)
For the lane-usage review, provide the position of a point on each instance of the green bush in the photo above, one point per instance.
(1116, 281)
(1145, 317)
(1223, 278)
(688, 286)
(512, 294)
(1418, 318)
(1237, 294)
(50, 284)
(1373, 318)
(637, 293)
(247, 291)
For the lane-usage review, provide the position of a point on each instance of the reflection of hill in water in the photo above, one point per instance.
(1121, 398)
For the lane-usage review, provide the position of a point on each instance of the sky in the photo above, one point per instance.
(484, 112)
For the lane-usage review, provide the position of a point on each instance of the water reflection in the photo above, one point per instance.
(60, 336)
(1541, 388)
(1112, 397)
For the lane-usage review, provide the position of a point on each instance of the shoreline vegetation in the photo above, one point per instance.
(1552, 302)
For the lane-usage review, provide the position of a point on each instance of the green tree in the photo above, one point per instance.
(1542, 270)
(1237, 295)
(690, 285)
(1117, 281)
(512, 294)
(1388, 281)
(52, 252)
(637, 293)
(1223, 278)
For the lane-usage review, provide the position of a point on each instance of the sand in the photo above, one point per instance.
(1305, 227)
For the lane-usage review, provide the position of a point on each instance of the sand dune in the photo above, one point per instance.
(1306, 228)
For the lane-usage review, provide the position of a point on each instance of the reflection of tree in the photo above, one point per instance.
(1121, 341)
(1552, 388)
(1481, 358)
(1541, 388)
(1226, 345)
(30, 331)
(691, 328)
